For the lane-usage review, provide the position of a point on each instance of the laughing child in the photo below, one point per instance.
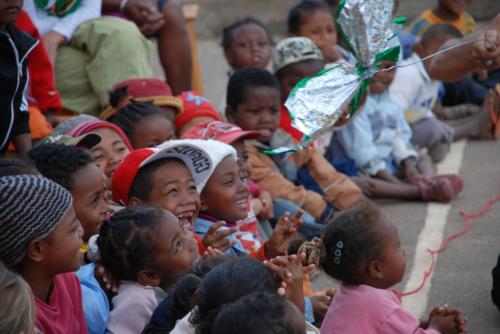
(41, 239)
(169, 177)
(145, 248)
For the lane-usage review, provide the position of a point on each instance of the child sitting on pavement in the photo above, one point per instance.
(416, 93)
(378, 140)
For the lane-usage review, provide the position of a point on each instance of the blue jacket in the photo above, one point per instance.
(378, 133)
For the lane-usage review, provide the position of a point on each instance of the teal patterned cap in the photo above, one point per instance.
(294, 49)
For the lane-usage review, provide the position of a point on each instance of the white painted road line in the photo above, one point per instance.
(431, 237)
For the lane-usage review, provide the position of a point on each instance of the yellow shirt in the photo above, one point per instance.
(465, 23)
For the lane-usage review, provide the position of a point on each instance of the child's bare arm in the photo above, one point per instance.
(484, 53)
(22, 143)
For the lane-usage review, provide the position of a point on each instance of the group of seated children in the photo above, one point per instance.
(166, 215)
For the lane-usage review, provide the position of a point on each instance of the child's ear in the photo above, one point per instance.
(230, 114)
(203, 206)
(229, 56)
(134, 201)
(148, 278)
(196, 296)
(375, 270)
(34, 251)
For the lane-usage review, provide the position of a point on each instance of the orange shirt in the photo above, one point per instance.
(465, 23)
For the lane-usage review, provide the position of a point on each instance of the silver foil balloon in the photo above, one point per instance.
(317, 103)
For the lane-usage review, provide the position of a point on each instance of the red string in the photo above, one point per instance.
(467, 222)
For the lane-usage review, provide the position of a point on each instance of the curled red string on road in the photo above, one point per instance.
(467, 222)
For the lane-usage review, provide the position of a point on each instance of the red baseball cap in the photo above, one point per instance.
(195, 106)
(221, 131)
(151, 90)
(91, 125)
(201, 157)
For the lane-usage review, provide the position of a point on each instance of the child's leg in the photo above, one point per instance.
(435, 189)
(434, 135)
(376, 188)
(476, 126)
(174, 48)
(425, 166)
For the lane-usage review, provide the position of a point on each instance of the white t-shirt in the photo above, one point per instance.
(66, 25)
(414, 90)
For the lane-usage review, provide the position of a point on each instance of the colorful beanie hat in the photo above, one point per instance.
(30, 208)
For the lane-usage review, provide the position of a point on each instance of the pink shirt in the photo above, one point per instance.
(133, 307)
(362, 309)
(64, 312)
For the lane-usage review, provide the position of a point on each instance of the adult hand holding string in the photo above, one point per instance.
(479, 50)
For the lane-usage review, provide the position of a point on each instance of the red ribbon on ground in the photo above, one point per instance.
(467, 222)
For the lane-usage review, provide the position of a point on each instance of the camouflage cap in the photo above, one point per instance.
(88, 140)
(294, 49)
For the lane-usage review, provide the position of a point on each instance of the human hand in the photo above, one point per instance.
(283, 232)
(145, 15)
(480, 73)
(218, 239)
(52, 40)
(447, 320)
(211, 253)
(329, 52)
(290, 271)
(411, 172)
(106, 280)
(257, 206)
(267, 211)
(486, 51)
(320, 305)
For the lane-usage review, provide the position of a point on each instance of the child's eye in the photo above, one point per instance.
(178, 245)
(122, 149)
(98, 157)
(171, 191)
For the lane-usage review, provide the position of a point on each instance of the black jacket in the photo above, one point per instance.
(14, 84)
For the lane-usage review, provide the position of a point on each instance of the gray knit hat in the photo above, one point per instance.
(30, 208)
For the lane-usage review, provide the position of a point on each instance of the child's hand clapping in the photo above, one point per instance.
(211, 253)
(291, 273)
(285, 230)
(446, 320)
(218, 239)
(108, 283)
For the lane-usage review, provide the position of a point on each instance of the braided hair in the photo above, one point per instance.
(131, 113)
(59, 162)
(125, 242)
